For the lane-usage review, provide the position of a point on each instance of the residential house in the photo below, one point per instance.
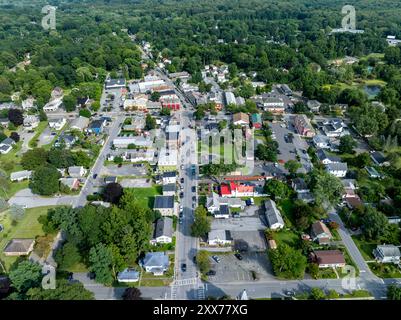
(394, 220)
(6, 145)
(337, 169)
(169, 189)
(329, 258)
(219, 238)
(165, 205)
(66, 140)
(71, 183)
(214, 202)
(19, 247)
(169, 177)
(138, 141)
(333, 128)
(138, 102)
(156, 263)
(162, 231)
(57, 123)
(179, 75)
(373, 173)
(273, 215)
(387, 254)
(320, 233)
(53, 105)
(31, 122)
(115, 83)
(28, 103)
(4, 122)
(321, 142)
(80, 123)
(128, 275)
(303, 126)
(82, 102)
(378, 158)
(325, 158)
(314, 105)
(256, 120)
(110, 179)
(285, 89)
(299, 185)
(241, 119)
(230, 98)
(270, 103)
(20, 175)
(96, 126)
(223, 212)
(77, 172)
(232, 189)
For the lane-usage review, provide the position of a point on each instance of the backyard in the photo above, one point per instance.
(146, 196)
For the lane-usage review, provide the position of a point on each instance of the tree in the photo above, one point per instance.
(203, 261)
(26, 275)
(374, 223)
(165, 112)
(394, 292)
(155, 96)
(332, 294)
(292, 166)
(313, 269)
(150, 122)
(15, 136)
(81, 158)
(202, 223)
(288, 263)
(101, 260)
(67, 256)
(63, 291)
(264, 153)
(16, 117)
(276, 189)
(118, 160)
(317, 294)
(34, 158)
(85, 113)
(45, 181)
(132, 294)
(61, 158)
(347, 144)
(70, 103)
(42, 115)
(326, 187)
(112, 192)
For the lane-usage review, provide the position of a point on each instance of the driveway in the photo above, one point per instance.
(26, 198)
(25, 137)
(45, 137)
(124, 170)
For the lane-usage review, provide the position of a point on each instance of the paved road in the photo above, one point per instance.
(26, 198)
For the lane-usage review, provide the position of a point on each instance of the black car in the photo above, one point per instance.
(184, 267)
(211, 273)
(194, 259)
(181, 195)
(193, 189)
(95, 176)
(194, 198)
(238, 256)
(92, 275)
(182, 180)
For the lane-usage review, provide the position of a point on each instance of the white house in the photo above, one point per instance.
(6, 145)
(80, 123)
(273, 215)
(53, 105)
(169, 177)
(219, 238)
(320, 141)
(326, 158)
(155, 262)
(128, 275)
(337, 169)
(387, 254)
(77, 172)
(163, 231)
(31, 122)
(20, 175)
(57, 124)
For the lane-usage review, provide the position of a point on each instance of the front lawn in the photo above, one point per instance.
(287, 236)
(146, 196)
(365, 247)
(27, 227)
(386, 270)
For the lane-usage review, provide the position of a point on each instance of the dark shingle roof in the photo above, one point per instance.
(164, 202)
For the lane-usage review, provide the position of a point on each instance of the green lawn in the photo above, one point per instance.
(146, 196)
(28, 227)
(386, 270)
(39, 129)
(15, 187)
(365, 247)
(288, 237)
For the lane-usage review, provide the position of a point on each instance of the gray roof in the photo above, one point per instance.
(322, 155)
(111, 179)
(163, 227)
(128, 274)
(155, 259)
(273, 215)
(114, 82)
(164, 202)
(19, 245)
(169, 174)
(342, 166)
(20, 174)
(389, 250)
(224, 209)
(378, 157)
(4, 147)
(220, 234)
(169, 187)
(300, 184)
(8, 141)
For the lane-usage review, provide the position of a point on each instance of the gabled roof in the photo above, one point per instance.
(155, 259)
(163, 227)
(329, 257)
(169, 174)
(19, 246)
(378, 157)
(8, 141)
(323, 155)
(319, 228)
(342, 166)
(389, 250)
(164, 202)
(170, 187)
(273, 215)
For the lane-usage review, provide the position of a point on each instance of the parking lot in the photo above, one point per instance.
(124, 170)
(230, 269)
(249, 224)
(136, 183)
(46, 137)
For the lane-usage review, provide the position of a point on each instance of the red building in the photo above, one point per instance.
(172, 103)
(236, 190)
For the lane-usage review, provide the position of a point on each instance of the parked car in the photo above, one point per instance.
(95, 176)
(194, 259)
(184, 267)
(211, 273)
(194, 198)
(182, 180)
(193, 189)
(92, 275)
(181, 195)
(238, 256)
(216, 258)
(180, 220)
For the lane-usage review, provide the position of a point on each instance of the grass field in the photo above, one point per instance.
(146, 196)
(28, 227)
(39, 129)
(365, 247)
